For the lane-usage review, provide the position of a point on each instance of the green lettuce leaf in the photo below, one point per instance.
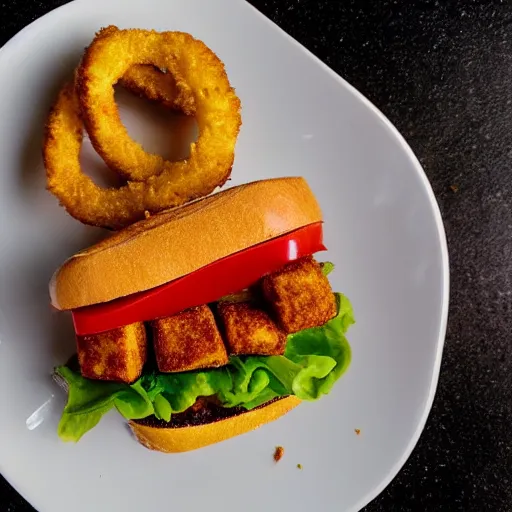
(327, 267)
(314, 360)
(89, 400)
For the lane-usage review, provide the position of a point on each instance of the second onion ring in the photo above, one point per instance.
(81, 197)
(111, 54)
(112, 208)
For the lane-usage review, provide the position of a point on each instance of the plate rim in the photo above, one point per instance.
(441, 234)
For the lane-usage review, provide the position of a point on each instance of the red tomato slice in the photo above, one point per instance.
(207, 284)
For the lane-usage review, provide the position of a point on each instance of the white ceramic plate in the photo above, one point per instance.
(382, 227)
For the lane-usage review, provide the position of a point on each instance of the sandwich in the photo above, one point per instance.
(205, 321)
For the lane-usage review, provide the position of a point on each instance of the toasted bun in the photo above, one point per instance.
(183, 439)
(174, 243)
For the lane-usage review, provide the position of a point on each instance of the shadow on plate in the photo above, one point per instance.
(32, 287)
(32, 175)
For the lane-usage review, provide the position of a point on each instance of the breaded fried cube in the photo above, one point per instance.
(249, 330)
(188, 340)
(300, 295)
(115, 355)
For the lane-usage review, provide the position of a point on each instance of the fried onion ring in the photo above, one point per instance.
(195, 68)
(105, 207)
(153, 84)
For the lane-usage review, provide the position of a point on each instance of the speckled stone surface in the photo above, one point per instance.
(442, 73)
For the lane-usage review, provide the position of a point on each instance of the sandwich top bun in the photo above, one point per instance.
(183, 439)
(176, 242)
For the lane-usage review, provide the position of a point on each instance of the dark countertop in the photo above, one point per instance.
(443, 76)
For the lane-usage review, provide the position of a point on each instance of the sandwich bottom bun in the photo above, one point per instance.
(186, 438)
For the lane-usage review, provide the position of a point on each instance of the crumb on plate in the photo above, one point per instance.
(278, 454)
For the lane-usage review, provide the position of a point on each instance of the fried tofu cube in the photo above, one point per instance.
(188, 341)
(249, 330)
(300, 295)
(115, 355)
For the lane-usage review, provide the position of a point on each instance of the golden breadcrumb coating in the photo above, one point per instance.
(300, 295)
(249, 330)
(150, 83)
(116, 355)
(168, 184)
(188, 340)
(195, 68)
(83, 199)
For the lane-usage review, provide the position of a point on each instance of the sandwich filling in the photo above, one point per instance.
(224, 276)
(283, 335)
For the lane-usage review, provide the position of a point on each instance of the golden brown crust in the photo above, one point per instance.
(77, 192)
(172, 183)
(149, 82)
(300, 295)
(116, 355)
(195, 68)
(173, 440)
(249, 330)
(188, 340)
(177, 242)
